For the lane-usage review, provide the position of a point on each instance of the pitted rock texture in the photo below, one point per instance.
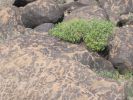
(69, 7)
(88, 13)
(126, 19)
(10, 21)
(53, 47)
(39, 12)
(114, 8)
(6, 3)
(121, 54)
(88, 2)
(35, 67)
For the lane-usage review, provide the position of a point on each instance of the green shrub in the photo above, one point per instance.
(112, 74)
(115, 75)
(97, 37)
(95, 33)
(71, 31)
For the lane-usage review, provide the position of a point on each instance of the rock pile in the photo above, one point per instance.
(37, 66)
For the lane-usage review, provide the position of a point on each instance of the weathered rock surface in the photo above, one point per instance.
(6, 3)
(39, 12)
(71, 6)
(115, 8)
(121, 54)
(88, 12)
(9, 20)
(126, 19)
(35, 67)
(88, 2)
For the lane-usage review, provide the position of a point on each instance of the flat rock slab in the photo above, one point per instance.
(35, 67)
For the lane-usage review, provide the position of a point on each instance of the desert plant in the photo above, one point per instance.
(95, 32)
(71, 31)
(106, 74)
(99, 32)
(60, 1)
(115, 75)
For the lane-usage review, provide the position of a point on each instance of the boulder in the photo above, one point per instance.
(44, 27)
(115, 8)
(40, 67)
(39, 12)
(88, 13)
(55, 48)
(121, 51)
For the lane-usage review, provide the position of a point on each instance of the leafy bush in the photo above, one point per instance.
(71, 31)
(97, 36)
(95, 32)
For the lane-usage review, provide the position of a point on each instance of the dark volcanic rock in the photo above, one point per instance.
(44, 27)
(41, 11)
(121, 54)
(42, 67)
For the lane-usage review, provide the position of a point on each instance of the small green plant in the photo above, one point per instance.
(99, 32)
(95, 33)
(116, 75)
(71, 31)
(113, 75)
